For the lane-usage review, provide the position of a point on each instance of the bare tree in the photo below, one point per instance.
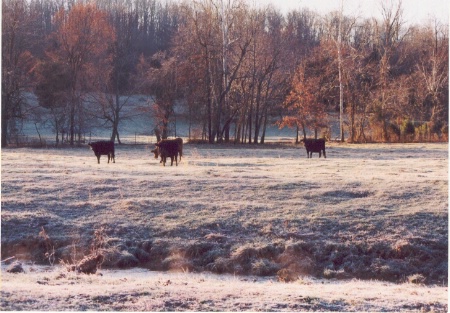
(17, 62)
(389, 36)
(339, 28)
(159, 80)
(433, 69)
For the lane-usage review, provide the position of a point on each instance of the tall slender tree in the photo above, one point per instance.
(17, 62)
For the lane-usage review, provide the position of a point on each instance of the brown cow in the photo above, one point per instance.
(168, 149)
(178, 141)
(103, 148)
(314, 145)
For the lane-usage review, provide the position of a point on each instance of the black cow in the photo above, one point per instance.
(178, 141)
(314, 145)
(168, 149)
(103, 148)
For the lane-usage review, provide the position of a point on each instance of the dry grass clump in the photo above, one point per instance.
(126, 260)
(140, 254)
(216, 237)
(286, 275)
(264, 267)
(259, 259)
(389, 270)
(197, 249)
(337, 274)
(248, 251)
(177, 261)
(244, 254)
(146, 245)
(249, 258)
(220, 265)
(297, 259)
(88, 265)
(190, 255)
(160, 249)
(416, 279)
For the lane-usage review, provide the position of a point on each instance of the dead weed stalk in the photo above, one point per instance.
(49, 246)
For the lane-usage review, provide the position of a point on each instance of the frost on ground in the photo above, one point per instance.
(365, 212)
(142, 290)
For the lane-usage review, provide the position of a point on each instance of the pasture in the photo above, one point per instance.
(369, 212)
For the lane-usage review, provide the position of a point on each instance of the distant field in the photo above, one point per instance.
(366, 211)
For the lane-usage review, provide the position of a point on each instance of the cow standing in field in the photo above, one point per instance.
(177, 141)
(168, 149)
(314, 145)
(103, 148)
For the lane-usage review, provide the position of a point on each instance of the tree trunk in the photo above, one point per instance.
(208, 92)
(263, 136)
(257, 120)
(157, 134)
(39, 134)
(72, 122)
(115, 122)
(250, 113)
(4, 125)
(341, 87)
(304, 131)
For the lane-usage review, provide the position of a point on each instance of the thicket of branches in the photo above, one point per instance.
(234, 69)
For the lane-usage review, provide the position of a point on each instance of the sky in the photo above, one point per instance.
(414, 11)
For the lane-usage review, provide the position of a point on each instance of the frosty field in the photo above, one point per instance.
(374, 215)
(53, 289)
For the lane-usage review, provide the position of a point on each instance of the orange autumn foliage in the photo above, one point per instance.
(303, 103)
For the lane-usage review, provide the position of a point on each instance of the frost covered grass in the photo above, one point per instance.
(365, 212)
(142, 290)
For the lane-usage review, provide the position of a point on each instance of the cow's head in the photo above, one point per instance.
(156, 152)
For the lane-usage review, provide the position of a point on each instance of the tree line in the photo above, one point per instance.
(233, 68)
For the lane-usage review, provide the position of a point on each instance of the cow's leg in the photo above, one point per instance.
(324, 155)
(171, 160)
(98, 158)
(108, 157)
(320, 154)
